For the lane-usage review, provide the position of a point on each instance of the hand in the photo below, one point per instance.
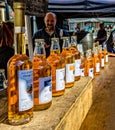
(46, 46)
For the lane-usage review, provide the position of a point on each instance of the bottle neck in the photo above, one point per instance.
(20, 47)
(55, 48)
(19, 28)
(39, 48)
(74, 41)
(66, 44)
(39, 51)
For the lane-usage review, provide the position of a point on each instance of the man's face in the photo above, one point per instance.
(50, 21)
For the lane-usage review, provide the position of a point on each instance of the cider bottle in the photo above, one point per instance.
(89, 64)
(77, 56)
(96, 62)
(69, 63)
(58, 68)
(101, 57)
(105, 55)
(20, 74)
(83, 65)
(42, 77)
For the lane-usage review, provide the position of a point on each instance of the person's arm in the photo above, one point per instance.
(101, 38)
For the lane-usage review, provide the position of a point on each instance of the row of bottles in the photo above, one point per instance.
(94, 61)
(31, 84)
(57, 71)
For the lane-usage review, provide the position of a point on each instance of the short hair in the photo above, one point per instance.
(50, 13)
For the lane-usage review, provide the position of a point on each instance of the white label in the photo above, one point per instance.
(91, 72)
(25, 86)
(19, 29)
(69, 73)
(60, 82)
(45, 90)
(82, 72)
(102, 62)
(106, 58)
(97, 67)
(77, 67)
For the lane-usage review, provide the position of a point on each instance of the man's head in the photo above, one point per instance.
(101, 25)
(50, 21)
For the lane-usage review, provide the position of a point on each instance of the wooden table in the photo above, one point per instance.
(67, 112)
(101, 115)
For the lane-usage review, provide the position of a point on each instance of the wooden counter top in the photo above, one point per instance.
(67, 112)
(101, 115)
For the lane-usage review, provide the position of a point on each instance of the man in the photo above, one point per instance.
(111, 42)
(101, 35)
(49, 31)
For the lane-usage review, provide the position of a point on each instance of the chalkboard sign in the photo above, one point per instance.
(34, 7)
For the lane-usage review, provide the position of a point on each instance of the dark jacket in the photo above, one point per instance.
(101, 33)
(110, 43)
(42, 34)
(5, 54)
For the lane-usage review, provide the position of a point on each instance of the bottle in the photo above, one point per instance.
(42, 77)
(76, 53)
(83, 65)
(101, 56)
(89, 64)
(58, 68)
(69, 63)
(96, 61)
(20, 74)
(106, 59)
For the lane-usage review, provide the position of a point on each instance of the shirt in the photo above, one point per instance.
(42, 34)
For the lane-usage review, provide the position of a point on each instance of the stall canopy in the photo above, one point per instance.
(83, 8)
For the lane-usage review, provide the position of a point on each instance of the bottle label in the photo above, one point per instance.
(106, 58)
(25, 87)
(91, 72)
(69, 73)
(19, 29)
(60, 82)
(82, 72)
(77, 67)
(45, 90)
(97, 67)
(102, 62)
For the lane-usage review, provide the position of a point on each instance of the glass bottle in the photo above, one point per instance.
(20, 74)
(42, 77)
(83, 65)
(89, 64)
(106, 59)
(76, 53)
(69, 63)
(58, 68)
(96, 61)
(101, 56)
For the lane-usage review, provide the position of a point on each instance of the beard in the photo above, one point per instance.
(50, 27)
